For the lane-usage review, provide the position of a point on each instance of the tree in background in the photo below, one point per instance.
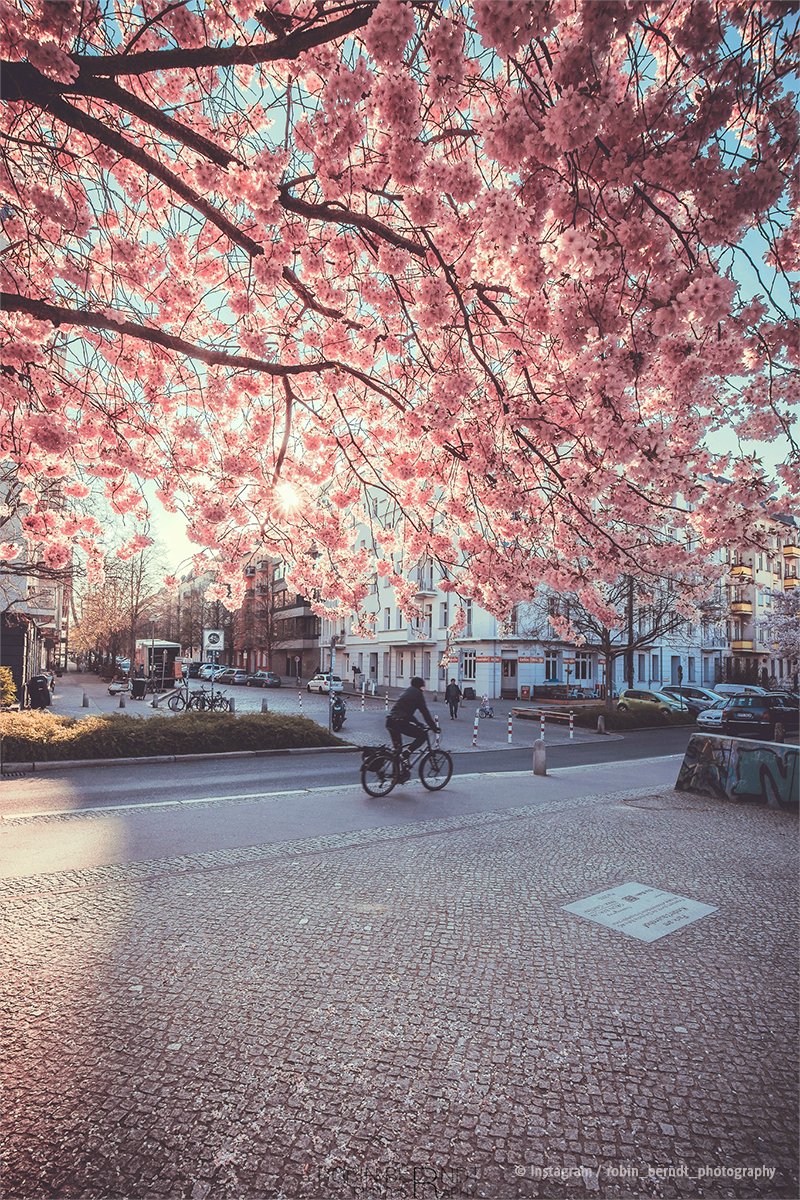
(624, 619)
(474, 258)
(118, 611)
(782, 628)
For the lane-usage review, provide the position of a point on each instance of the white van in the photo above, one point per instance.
(739, 689)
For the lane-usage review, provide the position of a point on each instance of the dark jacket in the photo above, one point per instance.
(410, 702)
(452, 693)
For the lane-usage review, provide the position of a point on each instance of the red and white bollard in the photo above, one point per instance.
(510, 729)
(386, 703)
(300, 700)
(475, 729)
(571, 723)
(541, 726)
(363, 693)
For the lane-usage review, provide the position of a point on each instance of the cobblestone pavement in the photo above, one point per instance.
(411, 1012)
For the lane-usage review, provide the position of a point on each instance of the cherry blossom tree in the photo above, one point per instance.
(463, 275)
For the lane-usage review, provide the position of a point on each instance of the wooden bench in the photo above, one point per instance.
(536, 714)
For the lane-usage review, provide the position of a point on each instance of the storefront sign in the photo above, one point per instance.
(487, 658)
(531, 658)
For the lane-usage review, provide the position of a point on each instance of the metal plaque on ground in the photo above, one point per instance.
(641, 912)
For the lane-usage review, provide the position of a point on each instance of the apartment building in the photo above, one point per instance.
(276, 629)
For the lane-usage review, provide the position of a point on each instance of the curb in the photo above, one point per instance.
(54, 764)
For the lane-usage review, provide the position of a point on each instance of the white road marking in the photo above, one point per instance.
(342, 787)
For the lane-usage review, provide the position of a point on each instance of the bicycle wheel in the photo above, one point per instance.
(176, 703)
(435, 769)
(378, 775)
(197, 702)
(221, 704)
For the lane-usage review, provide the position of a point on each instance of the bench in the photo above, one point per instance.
(536, 714)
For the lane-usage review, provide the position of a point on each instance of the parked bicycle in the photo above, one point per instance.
(204, 700)
(181, 698)
(382, 767)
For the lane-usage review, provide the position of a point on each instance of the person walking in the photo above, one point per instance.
(452, 695)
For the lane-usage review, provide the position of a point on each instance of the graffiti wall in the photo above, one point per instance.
(738, 769)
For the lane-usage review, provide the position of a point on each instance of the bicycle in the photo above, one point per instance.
(181, 699)
(206, 701)
(381, 767)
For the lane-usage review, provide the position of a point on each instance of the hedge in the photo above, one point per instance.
(586, 716)
(44, 737)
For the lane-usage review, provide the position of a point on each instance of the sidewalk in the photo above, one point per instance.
(409, 1010)
(361, 728)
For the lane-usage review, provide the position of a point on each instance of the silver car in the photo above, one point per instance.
(710, 719)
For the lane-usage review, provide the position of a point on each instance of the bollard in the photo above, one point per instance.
(539, 758)
(122, 701)
(601, 724)
(85, 701)
(572, 723)
(386, 703)
(363, 695)
(264, 704)
(510, 729)
(475, 728)
(541, 727)
(300, 700)
(232, 703)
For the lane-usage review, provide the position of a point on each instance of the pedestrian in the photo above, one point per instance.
(452, 695)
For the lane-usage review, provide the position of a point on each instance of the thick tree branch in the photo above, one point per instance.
(56, 315)
(345, 216)
(81, 121)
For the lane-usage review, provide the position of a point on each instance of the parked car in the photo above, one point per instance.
(710, 718)
(323, 681)
(194, 669)
(762, 717)
(231, 675)
(739, 689)
(657, 703)
(694, 694)
(263, 679)
(211, 671)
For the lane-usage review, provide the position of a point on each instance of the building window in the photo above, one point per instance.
(655, 667)
(401, 670)
(551, 664)
(444, 618)
(583, 665)
(426, 664)
(468, 619)
(413, 668)
(691, 671)
(642, 667)
(386, 665)
(387, 618)
(468, 665)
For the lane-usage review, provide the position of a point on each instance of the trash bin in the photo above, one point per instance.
(525, 692)
(469, 693)
(138, 689)
(39, 691)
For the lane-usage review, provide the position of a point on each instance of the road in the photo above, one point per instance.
(91, 816)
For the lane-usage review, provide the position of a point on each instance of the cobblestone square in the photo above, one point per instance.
(411, 1012)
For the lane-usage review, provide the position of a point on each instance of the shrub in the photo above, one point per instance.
(43, 737)
(587, 718)
(8, 689)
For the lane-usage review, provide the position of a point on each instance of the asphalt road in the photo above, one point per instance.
(81, 817)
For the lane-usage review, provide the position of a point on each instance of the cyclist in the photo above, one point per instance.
(401, 721)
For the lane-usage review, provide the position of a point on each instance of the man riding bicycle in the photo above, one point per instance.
(401, 721)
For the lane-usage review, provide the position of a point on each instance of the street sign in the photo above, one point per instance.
(213, 639)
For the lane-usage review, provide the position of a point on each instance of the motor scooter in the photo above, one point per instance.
(338, 712)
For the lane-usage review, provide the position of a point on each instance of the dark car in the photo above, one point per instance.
(768, 718)
(263, 679)
(194, 668)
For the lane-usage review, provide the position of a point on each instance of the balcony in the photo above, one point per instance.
(742, 608)
(423, 584)
(742, 645)
(790, 583)
(791, 552)
(741, 571)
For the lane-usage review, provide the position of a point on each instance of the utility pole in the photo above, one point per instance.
(629, 650)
